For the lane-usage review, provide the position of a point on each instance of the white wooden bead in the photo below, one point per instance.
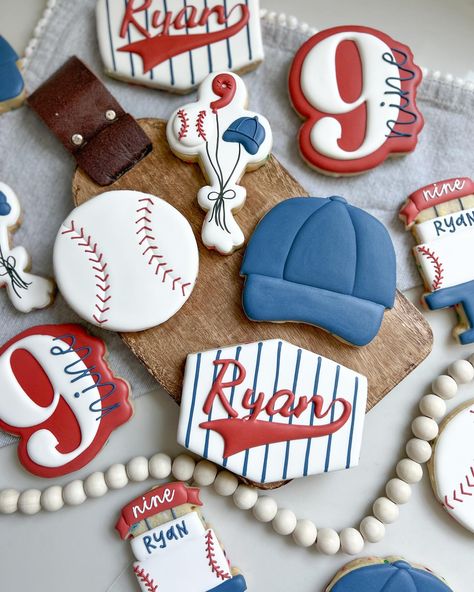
(183, 467)
(385, 510)
(462, 371)
(409, 471)
(265, 509)
(398, 491)
(372, 529)
(9, 501)
(284, 522)
(328, 541)
(205, 473)
(433, 406)
(424, 428)
(116, 476)
(137, 469)
(418, 450)
(352, 542)
(95, 485)
(245, 497)
(74, 494)
(445, 387)
(225, 484)
(29, 502)
(305, 533)
(52, 499)
(159, 466)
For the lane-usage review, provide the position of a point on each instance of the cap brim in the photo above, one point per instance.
(352, 319)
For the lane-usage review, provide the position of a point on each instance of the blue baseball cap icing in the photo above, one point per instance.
(11, 80)
(324, 262)
(247, 131)
(398, 576)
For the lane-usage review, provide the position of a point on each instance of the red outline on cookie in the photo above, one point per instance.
(109, 422)
(311, 115)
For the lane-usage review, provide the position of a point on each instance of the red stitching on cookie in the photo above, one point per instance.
(154, 259)
(211, 556)
(431, 256)
(96, 258)
(200, 125)
(145, 577)
(462, 491)
(183, 130)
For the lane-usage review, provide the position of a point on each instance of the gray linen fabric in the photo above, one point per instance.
(34, 163)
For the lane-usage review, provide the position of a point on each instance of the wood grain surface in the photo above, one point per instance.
(213, 315)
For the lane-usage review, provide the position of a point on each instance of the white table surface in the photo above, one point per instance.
(77, 548)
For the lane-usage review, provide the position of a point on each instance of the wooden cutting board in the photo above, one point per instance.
(213, 316)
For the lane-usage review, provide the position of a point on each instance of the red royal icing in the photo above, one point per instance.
(243, 433)
(63, 379)
(348, 65)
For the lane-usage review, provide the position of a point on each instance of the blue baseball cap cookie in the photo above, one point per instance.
(392, 574)
(12, 86)
(323, 262)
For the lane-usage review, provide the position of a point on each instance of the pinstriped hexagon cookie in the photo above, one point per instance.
(126, 260)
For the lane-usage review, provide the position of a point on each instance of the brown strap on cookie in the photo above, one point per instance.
(105, 141)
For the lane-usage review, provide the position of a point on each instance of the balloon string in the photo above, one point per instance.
(8, 268)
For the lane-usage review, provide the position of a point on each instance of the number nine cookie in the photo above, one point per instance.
(355, 87)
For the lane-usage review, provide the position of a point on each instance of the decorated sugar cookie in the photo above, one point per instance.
(323, 262)
(59, 395)
(355, 88)
(174, 45)
(441, 218)
(392, 574)
(174, 548)
(126, 260)
(26, 291)
(218, 132)
(270, 411)
(12, 86)
(452, 465)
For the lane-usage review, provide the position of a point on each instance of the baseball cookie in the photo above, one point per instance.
(60, 397)
(392, 574)
(126, 260)
(174, 45)
(441, 218)
(218, 132)
(12, 86)
(355, 88)
(452, 465)
(26, 291)
(323, 262)
(270, 411)
(174, 547)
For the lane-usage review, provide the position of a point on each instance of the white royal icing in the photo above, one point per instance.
(126, 260)
(25, 290)
(197, 563)
(270, 367)
(164, 19)
(199, 131)
(460, 222)
(18, 410)
(453, 466)
(167, 536)
(443, 262)
(320, 87)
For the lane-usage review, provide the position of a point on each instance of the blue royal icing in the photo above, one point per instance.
(324, 262)
(398, 576)
(236, 584)
(11, 80)
(5, 207)
(462, 294)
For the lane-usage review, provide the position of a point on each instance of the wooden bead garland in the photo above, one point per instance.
(264, 508)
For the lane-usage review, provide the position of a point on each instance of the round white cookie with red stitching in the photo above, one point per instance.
(126, 260)
(452, 465)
